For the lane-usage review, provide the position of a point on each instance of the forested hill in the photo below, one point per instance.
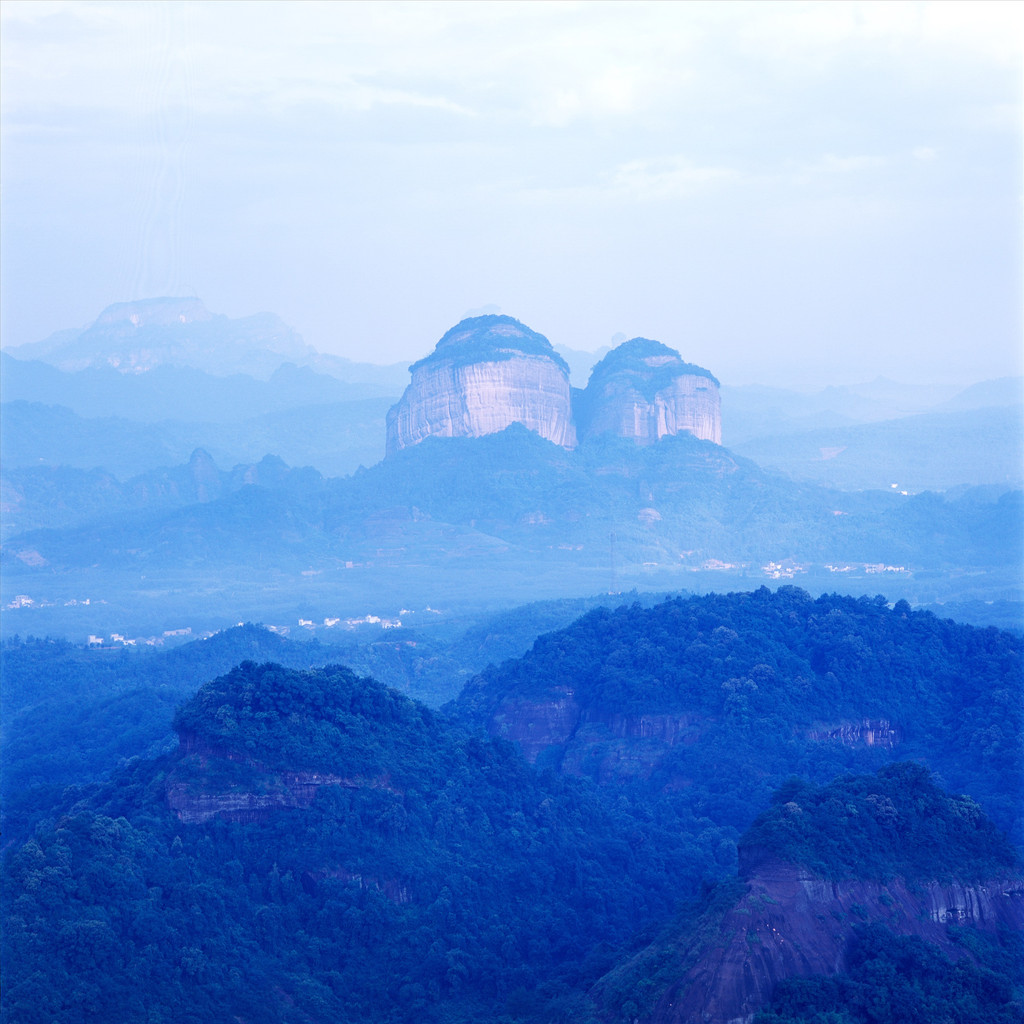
(322, 848)
(721, 697)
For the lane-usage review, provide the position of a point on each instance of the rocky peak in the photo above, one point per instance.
(485, 374)
(645, 390)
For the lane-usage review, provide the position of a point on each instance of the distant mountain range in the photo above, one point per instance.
(138, 337)
(504, 518)
(142, 463)
(242, 389)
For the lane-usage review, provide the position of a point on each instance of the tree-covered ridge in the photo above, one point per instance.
(490, 338)
(478, 889)
(894, 824)
(885, 971)
(766, 677)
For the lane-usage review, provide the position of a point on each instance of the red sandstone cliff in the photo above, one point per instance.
(787, 923)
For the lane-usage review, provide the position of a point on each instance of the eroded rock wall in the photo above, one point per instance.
(791, 924)
(446, 399)
(690, 403)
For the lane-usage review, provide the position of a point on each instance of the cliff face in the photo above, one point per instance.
(491, 371)
(485, 374)
(791, 924)
(624, 746)
(644, 390)
(217, 782)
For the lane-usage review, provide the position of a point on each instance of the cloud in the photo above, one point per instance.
(671, 177)
(639, 181)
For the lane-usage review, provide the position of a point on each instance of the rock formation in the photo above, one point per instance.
(644, 390)
(486, 373)
(789, 923)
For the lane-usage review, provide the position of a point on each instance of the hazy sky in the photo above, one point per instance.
(789, 193)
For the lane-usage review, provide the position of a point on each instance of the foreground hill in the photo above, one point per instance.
(321, 848)
(719, 698)
(876, 897)
(73, 713)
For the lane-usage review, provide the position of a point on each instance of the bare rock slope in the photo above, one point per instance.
(485, 374)
(644, 390)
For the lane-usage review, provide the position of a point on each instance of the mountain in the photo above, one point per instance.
(711, 695)
(321, 848)
(488, 372)
(318, 847)
(134, 337)
(138, 337)
(872, 892)
(644, 390)
(182, 393)
(753, 410)
(66, 497)
(335, 437)
(115, 701)
(928, 451)
(484, 374)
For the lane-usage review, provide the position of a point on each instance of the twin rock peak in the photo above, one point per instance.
(489, 372)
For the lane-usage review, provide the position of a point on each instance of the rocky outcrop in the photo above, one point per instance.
(644, 390)
(537, 725)
(593, 741)
(789, 923)
(485, 374)
(199, 789)
(869, 732)
(488, 372)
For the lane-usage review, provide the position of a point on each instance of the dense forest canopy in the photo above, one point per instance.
(766, 684)
(320, 846)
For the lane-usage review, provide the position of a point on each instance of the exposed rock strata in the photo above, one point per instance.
(633, 744)
(254, 796)
(644, 390)
(792, 924)
(486, 373)
(871, 732)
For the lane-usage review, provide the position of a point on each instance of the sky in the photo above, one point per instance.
(794, 194)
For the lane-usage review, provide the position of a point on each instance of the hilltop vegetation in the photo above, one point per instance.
(740, 690)
(894, 824)
(442, 879)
